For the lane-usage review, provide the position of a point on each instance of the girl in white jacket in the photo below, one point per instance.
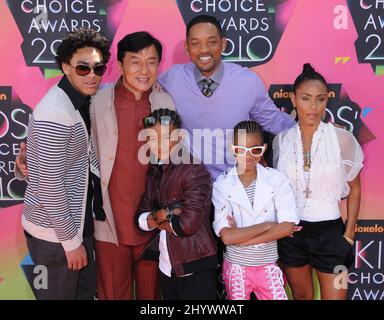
(254, 207)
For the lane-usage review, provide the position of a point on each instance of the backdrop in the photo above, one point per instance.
(344, 40)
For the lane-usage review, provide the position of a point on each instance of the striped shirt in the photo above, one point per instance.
(253, 255)
(58, 157)
(250, 191)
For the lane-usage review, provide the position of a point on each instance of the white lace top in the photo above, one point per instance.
(336, 158)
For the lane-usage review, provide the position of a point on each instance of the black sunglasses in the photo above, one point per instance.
(83, 70)
(151, 121)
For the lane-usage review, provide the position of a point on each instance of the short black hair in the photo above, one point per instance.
(137, 41)
(307, 74)
(205, 18)
(249, 127)
(176, 121)
(78, 39)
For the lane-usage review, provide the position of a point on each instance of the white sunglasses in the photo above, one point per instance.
(241, 151)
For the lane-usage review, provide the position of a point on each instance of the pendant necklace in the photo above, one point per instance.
(308, 159)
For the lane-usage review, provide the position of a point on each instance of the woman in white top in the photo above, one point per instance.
(323, 164)
(254, 206)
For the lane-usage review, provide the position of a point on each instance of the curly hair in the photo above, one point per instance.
(82, 38)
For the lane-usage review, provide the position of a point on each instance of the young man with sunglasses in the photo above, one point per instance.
(116, 112)
(176, 205)
(63, 184)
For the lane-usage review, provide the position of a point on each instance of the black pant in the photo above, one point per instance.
(63, 284)
(198, 286)
(220, 286)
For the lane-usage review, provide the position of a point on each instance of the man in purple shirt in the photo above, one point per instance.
(211, 96)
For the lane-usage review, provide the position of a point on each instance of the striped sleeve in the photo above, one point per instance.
(50, 141)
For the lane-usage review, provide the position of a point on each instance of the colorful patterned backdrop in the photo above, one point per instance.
(344, 40)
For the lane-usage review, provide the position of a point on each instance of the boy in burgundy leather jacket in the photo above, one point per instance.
(176, 207)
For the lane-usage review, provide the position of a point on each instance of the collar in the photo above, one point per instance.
(159, 164)
(233, 188)
(161, 168)
(216, 76)
(165, 165)
(123, 91)
(234, 178)
(78, 100)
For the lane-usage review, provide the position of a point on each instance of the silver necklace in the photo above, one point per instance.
(307, 192)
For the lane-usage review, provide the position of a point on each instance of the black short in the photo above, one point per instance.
(320, 244)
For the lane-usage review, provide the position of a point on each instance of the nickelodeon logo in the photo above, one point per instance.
(5, 95)
(284, 94)
(369, 229)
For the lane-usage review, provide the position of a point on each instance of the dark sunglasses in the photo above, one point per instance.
(151, 121)
(83, 70)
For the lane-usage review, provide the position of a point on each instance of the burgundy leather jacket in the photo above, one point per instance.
(189, 187)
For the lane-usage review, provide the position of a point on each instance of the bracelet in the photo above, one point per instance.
(349, 240)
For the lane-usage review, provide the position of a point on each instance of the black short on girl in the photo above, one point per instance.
(320, 244)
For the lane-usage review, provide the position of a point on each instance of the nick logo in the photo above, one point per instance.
(340, 109)
(253, 28)
(368, 18)
(44, 23)
(3, 97)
